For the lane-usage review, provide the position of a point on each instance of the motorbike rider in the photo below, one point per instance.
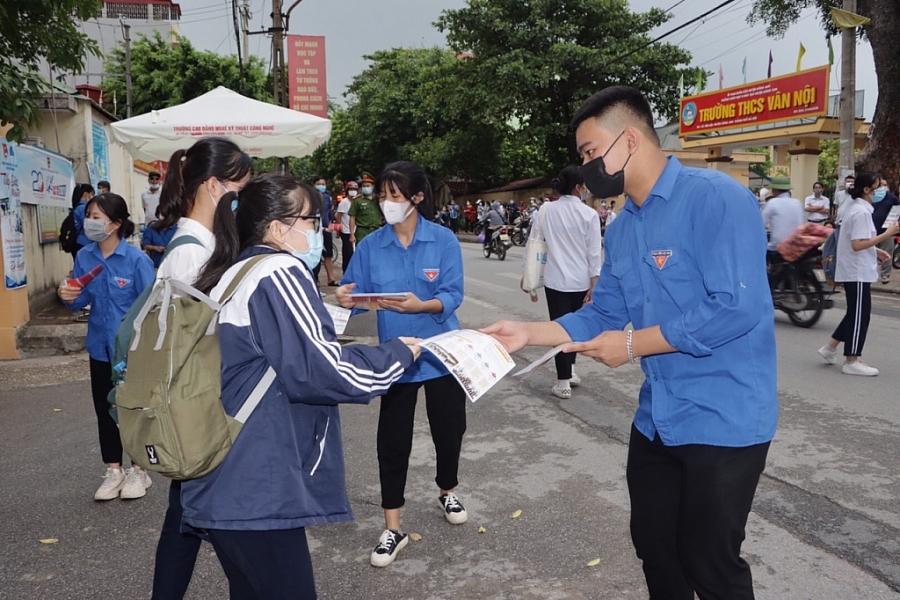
(493, 221)
(782, 214)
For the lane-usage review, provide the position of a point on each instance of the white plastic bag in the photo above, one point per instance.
(535, 259)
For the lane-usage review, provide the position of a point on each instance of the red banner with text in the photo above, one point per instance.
(306, 74)
(784, 98)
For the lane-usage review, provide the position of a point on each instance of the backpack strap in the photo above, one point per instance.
(181, 240)
(232, 287)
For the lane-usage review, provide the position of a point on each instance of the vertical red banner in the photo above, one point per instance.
(306, 74)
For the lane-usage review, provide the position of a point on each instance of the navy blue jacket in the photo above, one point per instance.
(286, 468)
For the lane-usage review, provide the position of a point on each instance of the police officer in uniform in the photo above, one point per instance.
(365, 216)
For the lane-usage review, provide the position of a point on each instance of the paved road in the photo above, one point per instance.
(825, 525)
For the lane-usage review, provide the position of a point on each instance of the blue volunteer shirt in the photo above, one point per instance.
(430, 268)
(126, 273)
(152, 237)
(81, 239)
(692, 260)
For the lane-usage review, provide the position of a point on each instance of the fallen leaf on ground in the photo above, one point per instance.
(57, 410)
(49, 541)
(517, 514)
(415, 537)
(594, 562)
(481, 529)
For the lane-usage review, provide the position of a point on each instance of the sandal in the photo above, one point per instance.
(885, 280)
(332, 284)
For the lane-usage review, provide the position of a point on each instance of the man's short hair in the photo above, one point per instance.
(819, 183)
(849, 177)
(624, 106)
(152, 174)
(104, 184)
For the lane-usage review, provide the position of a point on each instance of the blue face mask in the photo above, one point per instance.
(879, 194)
(321, 189)
(313, 255)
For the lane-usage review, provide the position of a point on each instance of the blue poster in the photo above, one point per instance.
(101, 151)
(45, 178)
(13, 239)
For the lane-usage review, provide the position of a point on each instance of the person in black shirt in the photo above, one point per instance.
(880, 213)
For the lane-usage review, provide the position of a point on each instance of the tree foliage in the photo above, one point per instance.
(535, 61)
(882, 151)
(165, 74)
(30, 31)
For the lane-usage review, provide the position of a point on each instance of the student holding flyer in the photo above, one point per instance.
(423, 260)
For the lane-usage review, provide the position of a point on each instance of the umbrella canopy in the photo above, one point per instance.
(260, 129)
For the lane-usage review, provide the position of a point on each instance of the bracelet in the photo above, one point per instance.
(628, 345)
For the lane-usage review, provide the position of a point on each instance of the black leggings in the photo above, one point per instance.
(445, 403)
(101, 385)
(560, 304)
(855, 324)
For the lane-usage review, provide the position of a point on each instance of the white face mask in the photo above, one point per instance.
(352, 193)
(396, 212)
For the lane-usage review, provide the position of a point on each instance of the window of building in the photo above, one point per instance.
(114, 10)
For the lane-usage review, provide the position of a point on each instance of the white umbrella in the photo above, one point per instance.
(260, 129)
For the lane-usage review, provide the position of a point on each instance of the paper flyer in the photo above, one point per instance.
(543, 360)
(339, 315)
(476, 360)
(893, 216)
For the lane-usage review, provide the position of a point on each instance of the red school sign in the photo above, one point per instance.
(306, 70)
(784, 98)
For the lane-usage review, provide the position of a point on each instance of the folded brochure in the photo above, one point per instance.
(475, 359)
(370, 301)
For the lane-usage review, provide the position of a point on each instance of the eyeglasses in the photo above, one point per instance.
(316, 219)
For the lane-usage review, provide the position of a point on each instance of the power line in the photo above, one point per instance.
(668, 33)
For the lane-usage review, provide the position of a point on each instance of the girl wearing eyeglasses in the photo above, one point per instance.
(285, 470)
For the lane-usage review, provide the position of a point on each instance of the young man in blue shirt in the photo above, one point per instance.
(685, 265)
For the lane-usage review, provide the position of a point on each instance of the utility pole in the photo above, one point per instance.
(279, 95)
(847, 155)
(127, 29)
(245, 29)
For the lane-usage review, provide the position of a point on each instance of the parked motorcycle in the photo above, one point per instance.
(499, 243)
(797, 288)
(520, 230)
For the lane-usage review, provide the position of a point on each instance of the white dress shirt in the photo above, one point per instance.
(850, 264)
(572, 232)
(820, 202)
(186, 261)
(783, 215)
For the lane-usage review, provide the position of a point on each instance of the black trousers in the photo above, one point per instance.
(101, 385)
(854, 326)
(445, 403)
(689, 507)
(560, 304)
(346, 251)
(265, 565)
(176, 552)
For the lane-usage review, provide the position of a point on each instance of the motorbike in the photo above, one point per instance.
(520, 230)
(499, 243)
(797, 287)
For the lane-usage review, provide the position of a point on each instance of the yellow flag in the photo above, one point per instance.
(848, 20)
(800, 56)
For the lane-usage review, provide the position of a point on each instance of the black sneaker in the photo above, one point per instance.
(453, 510)
(391, 542)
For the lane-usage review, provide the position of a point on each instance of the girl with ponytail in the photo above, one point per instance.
(196, 181)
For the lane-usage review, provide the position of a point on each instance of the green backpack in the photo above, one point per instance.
(171, 418)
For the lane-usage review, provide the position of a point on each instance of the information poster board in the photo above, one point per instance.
(306, 69)
(45, 178)
(11, 233)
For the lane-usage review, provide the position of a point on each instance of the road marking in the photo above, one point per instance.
(480, 303)
(490, 286)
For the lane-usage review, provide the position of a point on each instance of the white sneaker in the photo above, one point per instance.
(829, 354)
(112, 483)
(453, 510)
(575, 380)
(561, 392)
(858, 367)
(136, 483)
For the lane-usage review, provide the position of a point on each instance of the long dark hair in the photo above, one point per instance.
(568, 178)
(869, 180)
(409, 179)
(264, 199)
(209, 157)
(78, 191)
(114, 207)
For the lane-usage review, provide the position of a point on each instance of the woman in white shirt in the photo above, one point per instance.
(196, 180)
(856, 267)
(572, 232)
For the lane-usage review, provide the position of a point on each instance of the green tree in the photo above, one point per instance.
(408, 105)
(882, 150)
(164, 74)
(535, 61)
(31, 30)
(828, 162)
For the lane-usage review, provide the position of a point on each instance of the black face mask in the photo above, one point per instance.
(598, 181)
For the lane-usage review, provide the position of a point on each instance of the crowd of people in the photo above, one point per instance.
(635, 286)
